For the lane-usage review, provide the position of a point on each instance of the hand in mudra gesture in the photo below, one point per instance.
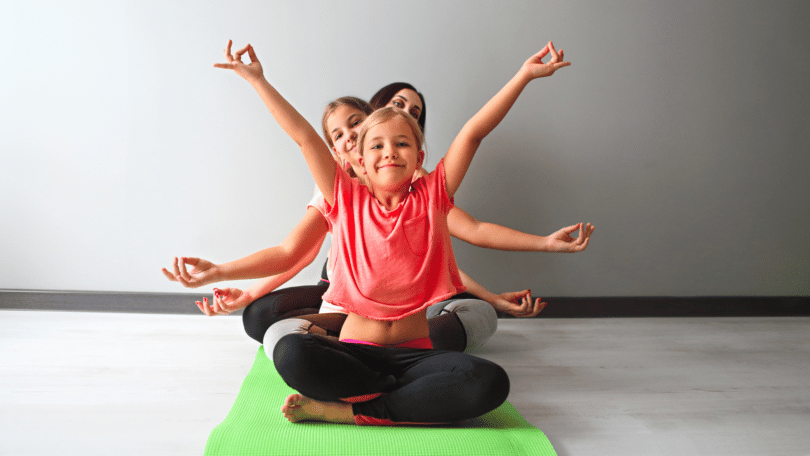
(250, 71)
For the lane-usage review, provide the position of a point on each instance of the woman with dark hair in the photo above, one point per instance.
(403, 96)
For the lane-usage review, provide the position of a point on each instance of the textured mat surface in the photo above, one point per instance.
(255, 426)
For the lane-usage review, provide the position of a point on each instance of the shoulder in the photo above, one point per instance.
(435, 185)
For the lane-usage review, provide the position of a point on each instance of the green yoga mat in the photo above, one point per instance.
(255, 426)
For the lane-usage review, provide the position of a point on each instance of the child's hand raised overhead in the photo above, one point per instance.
(535, 67)
(251, 71)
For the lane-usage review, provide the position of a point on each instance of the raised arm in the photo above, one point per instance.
(308, 234)
(319, 159)
(518, 304)
(491, 236)
(463, 148)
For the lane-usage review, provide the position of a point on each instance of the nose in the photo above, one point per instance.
(390, 153)
(351, 141)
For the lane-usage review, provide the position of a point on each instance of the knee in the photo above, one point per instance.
(298, 358)
(280, 329)
(479, 319)
(251, 316)
(287, 355)
(493, 385)
(288, 348)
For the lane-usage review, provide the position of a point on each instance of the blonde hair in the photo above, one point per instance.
(354, 102)
(383, 115)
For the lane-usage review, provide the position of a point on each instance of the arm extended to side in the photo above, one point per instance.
(518, 303)
(306, 236)
(492, 236)
(227, 300)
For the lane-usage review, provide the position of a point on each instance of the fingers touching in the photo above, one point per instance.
(235, 60)
(218, 307)
(529, 308)
(180, 273)
(522, 305)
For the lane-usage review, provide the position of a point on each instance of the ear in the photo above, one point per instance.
(362, 164)
(421, 158)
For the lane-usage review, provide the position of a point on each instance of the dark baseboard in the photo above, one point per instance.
(103, 301)
(562, 307)
(692, 306)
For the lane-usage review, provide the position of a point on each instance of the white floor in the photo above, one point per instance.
(75, 383)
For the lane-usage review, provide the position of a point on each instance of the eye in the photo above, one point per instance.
(376, 146)
(415, 114)
(398, 104)
(402, 144)
(338, 136)
(356, 123)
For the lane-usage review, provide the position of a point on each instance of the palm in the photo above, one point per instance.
(537, 69)
(560, 241)
(519, 304)
(198, 273)
(252, 70)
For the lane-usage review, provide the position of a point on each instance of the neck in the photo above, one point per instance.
(389, 199)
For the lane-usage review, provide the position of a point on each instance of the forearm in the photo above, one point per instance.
(492, 236)
(264, 286)
(316, 153)
(264, 263)
(462, 150)
(488, 117)
(288, 118)
(477, 289)
(308, 235)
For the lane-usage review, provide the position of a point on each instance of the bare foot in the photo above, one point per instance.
(300, 408)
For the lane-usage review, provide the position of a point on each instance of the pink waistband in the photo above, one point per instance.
(416, 343)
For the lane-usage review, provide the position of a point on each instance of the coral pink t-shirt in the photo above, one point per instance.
(391, 264)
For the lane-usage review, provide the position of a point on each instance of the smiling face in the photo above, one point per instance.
(391, 153)
(408, 101)
(343, 126)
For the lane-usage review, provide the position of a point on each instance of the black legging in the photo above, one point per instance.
(389, 386)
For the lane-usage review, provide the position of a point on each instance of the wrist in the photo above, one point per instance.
(524, 76)
(217, 273)
(488, 296)
(544, 244)
(258, 82)
(248, 295)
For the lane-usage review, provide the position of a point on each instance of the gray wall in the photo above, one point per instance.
(681, 131)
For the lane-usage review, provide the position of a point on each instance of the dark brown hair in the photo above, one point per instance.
(384, 95)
